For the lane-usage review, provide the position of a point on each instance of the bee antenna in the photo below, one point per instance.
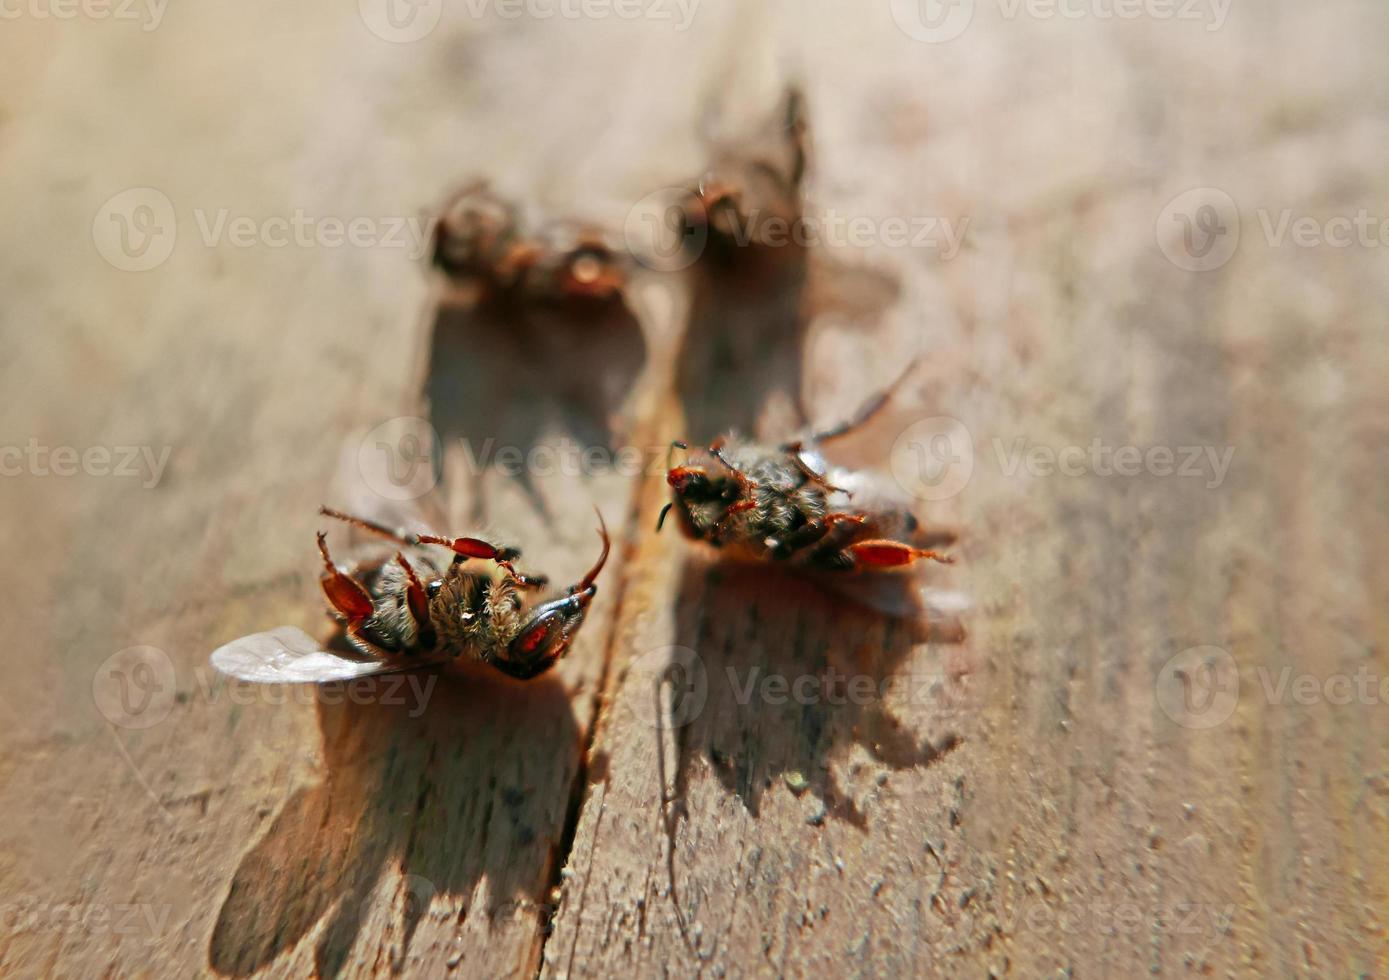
(602, 559)
(670, 450)
(662, 519)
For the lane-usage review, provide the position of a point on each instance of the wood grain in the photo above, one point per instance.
(1013, 794)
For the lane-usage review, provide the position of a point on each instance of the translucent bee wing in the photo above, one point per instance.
(288, 655)
(902, 595)
(894, 512)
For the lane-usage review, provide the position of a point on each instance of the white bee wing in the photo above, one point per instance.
(288, 655)
(902, 595)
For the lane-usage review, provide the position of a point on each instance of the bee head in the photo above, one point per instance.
(702, 491)
(552, 626)
(473, 233)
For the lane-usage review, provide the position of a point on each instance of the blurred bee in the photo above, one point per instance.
(751, 193)
(479, 245)
(405, 612)
(784, 504)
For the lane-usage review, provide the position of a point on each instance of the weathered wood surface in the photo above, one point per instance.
(1018, 799)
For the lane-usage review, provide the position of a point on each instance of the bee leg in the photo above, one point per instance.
(417, 598)
(793, 450)
(865, 413)
(738, 507)
(344, 593)
(882, 553)
(812, 533)
(530, 581)
(462, 547)
(403, 537)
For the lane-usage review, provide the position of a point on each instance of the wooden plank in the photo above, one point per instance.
(1019, 799)
(1073, 825)
(247, 833)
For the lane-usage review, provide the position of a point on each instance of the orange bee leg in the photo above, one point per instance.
(882, 553)
(463, 548)
(716, 532)
(344, 593)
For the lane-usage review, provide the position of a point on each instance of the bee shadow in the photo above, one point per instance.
(741, 354)
(794, 672)
(741, 366)
(513, 376)
(438, 787)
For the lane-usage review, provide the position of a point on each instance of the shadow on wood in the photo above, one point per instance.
(444, 795)
(504, 376)
(782, 700)
(742, 366)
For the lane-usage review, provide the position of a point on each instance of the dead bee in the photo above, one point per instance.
(480, 246)
(751, 194)
(785, 504)
(406, 612)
